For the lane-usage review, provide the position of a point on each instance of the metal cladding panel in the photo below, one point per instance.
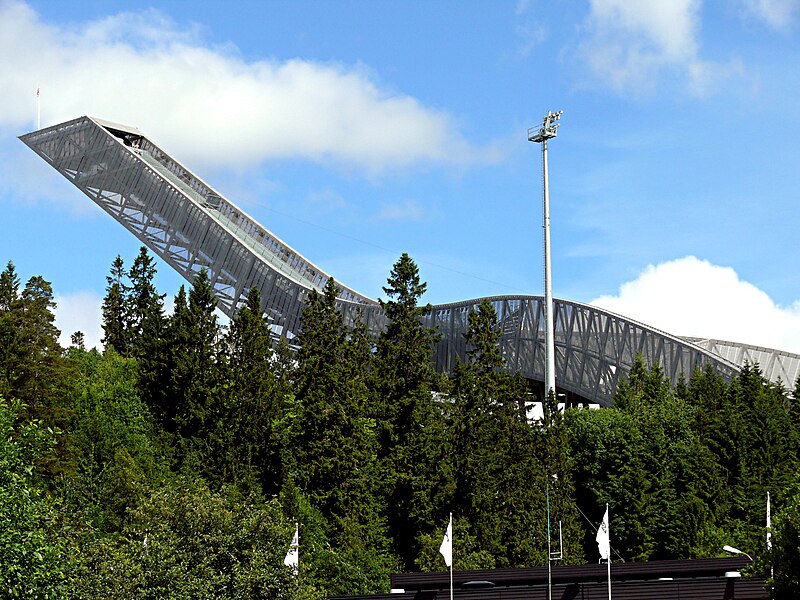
(192, 227)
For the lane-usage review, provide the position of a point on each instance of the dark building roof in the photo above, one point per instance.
(702, 579)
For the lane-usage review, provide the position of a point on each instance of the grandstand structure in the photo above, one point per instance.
(191, 226)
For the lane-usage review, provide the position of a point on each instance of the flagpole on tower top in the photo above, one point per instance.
(38, 109)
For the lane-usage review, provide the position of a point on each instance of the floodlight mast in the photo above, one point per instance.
(548, 129)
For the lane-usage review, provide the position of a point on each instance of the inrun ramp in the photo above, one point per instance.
(191, 226)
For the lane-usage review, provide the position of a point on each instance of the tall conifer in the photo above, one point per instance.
(116, 316)
(251, 402)
(411, 425)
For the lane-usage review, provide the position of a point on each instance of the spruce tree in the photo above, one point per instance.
(145, 306)
(499, 479)
(411, 425)
(10, 311)
(147, 330)
(39, 353)
(193, 334)
(116, 316)
(335, 445)
(252, 404)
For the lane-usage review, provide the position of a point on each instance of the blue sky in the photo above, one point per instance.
(359, 130)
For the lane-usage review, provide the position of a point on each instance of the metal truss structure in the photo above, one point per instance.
(192, 227)
(776, 365)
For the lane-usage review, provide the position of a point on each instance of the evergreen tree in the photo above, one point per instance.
(245, 425)
(681, 478)
(116, 316)
(78, 340)
(411, 425)
(38, 361)
(147, 331)
(193, 334)
(335, 444)
(10, 312)
(499, 479)
(765, 458)
(794, 416)
(145, 307)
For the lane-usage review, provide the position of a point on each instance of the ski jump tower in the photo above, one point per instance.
(191, 226)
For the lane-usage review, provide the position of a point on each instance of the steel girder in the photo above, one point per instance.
(193, 227)
(776, 365)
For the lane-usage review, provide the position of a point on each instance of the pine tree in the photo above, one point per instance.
(794, 411)
(9, 288)
(404, 355)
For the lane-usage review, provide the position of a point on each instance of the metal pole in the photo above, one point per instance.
(451, 556)
(550, 366)
(549, 568)
(608, 561)
(769, 540)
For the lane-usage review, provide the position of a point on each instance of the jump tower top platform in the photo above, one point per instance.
(192, 227)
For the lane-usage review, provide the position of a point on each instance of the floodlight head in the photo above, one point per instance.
(548, 129)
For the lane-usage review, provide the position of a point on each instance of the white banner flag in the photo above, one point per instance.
(293, 555)
(769, 525)
(446, 549)
(603, 540)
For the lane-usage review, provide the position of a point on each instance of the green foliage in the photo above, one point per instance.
(116, 319)
(468, 553)
(113, 438)
(335, 445)
(193, 333)
(35, 361)
(785, 555)
(608, 468)
(10, 335)
(186, 541)
(246, 448)
(35, 554)
(211, 446)
(499, 472)
(411, 432)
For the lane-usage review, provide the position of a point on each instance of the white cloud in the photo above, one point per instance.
(80, 311)
(409, 210)
(629, 44)
(778, 14)
(210, 105)
(693, 297)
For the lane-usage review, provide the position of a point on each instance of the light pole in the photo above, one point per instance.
(733, 550)
(548, 129)
(551, 555)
